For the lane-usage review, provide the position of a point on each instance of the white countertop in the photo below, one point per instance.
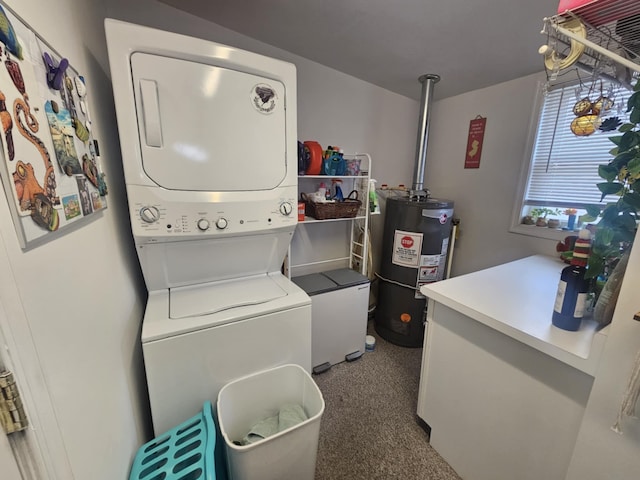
(517, 300)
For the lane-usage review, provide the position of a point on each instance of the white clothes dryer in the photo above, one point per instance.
(209, 147)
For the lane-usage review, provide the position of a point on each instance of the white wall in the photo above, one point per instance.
(484, 197)
(82, 295)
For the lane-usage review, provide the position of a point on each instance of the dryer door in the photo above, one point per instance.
(207, 128)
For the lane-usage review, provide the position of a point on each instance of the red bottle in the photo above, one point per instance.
(314, 151)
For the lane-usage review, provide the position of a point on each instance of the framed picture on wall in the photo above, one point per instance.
(50, 166)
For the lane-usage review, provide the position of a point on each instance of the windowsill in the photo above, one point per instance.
(542, 232)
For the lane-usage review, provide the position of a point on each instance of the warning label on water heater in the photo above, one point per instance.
(406, 248)
(432, 268)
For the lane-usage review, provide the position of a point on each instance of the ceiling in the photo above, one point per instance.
(390, 43)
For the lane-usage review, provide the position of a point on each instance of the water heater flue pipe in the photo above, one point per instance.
(427, 81)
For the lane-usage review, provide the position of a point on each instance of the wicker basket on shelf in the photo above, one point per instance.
(330, 210)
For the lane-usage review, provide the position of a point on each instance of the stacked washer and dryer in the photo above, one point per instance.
(209, 147)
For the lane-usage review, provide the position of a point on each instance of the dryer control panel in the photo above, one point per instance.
(155, 220)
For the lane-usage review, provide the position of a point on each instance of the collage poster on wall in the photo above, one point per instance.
(51, 168)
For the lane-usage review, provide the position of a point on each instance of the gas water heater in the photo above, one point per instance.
(415, 246)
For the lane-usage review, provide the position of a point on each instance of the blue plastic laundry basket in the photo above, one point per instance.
(185, 452)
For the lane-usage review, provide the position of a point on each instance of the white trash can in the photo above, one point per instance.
(288, 454)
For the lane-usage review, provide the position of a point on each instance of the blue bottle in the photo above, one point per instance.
(338, 196)
(573, 288)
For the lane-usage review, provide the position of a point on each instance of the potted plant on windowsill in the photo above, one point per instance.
(616, 230)
(553, 223)
(539, 216)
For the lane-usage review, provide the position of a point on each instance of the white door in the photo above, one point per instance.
(36, 462)
(7, 460)
(8, 463)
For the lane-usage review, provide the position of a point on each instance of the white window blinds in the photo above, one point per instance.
(564, 169)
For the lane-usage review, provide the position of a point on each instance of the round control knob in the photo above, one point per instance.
(286, 208)
(149, 214)
(222, 223)
(203, 224)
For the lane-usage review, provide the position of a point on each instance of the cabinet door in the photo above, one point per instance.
(208, 128)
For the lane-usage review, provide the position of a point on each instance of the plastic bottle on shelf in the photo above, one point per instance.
(322, 190)
(373, 197)
(573, 288)
(337, 188)
(313, 157)
(333, 162)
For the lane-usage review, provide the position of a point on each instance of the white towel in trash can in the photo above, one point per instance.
(288, 416)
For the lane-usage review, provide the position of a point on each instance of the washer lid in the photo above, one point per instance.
(215, 297)
(158, 326)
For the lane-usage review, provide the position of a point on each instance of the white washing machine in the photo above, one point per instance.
(209, 148)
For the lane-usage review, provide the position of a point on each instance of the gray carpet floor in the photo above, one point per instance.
(369, 429)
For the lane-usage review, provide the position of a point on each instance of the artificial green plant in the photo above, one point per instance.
(617, 227)
(543, 212)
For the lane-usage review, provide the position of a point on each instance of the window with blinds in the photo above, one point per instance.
(564, 167)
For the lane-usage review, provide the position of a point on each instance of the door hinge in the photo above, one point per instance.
(12, 415)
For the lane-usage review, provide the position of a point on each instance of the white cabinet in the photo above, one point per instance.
(339, 312)
(320, 245)
(503, 390)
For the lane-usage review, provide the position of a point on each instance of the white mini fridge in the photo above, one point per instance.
(339, 310)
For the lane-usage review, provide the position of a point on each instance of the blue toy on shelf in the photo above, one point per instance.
(333, 163)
